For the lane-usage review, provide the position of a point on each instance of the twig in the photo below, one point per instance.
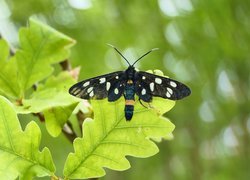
(66, 66)
(40, 116)
(80, 118)
(69, 132)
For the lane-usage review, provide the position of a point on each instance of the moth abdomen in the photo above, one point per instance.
(129, 100)
(129, 111)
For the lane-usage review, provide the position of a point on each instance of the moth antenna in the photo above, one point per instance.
(154, 49)
(119, 53)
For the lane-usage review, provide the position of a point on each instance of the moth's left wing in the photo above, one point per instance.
(148, 85)
(99, 87)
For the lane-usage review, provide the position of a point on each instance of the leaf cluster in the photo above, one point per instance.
(30, 85)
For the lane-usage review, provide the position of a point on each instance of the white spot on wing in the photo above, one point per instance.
(168, 94)
(116, 77)
(86, 84)
(102, 80)
(76, 91)
(107, 86)
(73, 91)
(89, 89)
(170, 90)
(143, 92)
(91, 94)
(80, 94)
(152, 86)
(158, 80)
(173, 84)
(143, 77)
(116, 91)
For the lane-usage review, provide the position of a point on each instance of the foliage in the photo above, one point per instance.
(204, 44)
(20, 155)
(33, 87)
(109, 138)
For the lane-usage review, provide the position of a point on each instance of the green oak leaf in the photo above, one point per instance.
(109, 137)
(41, 46)
(56, 117)
(9, 84)
(53, 99)
(19, 150)
(4, 53)
(54, 93)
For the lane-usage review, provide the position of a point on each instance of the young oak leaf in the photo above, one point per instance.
(109, 137)
(54, 93)
(9, 84)
(19, 150)
(4, 53)
(41, 46)
(56, 117)
(53, 100)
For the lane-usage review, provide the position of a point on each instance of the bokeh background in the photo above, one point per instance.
(205, 44)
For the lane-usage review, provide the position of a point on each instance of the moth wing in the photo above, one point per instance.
(116, 90)
(148, 85)
(97, 87)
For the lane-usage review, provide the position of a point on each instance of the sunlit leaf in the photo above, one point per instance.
(9, 84)
(109, 137)
(56, 117)
(41, 46)
(54, 93)
(4, 53)
(53, 100)
(19, 150)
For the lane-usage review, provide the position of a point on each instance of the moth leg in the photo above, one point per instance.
(143, 104)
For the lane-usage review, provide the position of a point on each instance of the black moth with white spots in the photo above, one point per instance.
(128, 83)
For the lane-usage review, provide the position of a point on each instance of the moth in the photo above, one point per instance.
(130, 83)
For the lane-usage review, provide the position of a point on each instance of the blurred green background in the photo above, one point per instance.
(205, 44)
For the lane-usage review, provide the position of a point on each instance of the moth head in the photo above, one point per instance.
(130, 72)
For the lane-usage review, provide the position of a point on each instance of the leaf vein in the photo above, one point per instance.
(105, 157)
(122, 143)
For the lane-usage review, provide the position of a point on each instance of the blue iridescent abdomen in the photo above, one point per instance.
(129, 94)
